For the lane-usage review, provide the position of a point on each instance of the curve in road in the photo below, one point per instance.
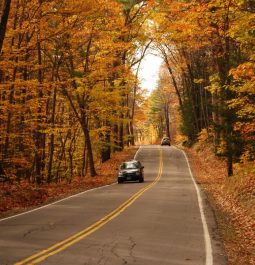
(161, 221)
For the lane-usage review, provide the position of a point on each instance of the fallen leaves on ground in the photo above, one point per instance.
(17, 197)
(233, 199)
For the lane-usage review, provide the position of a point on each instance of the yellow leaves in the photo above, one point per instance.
(246, 129)
(55, 131)
(198, 81)
(180, 138)
(245, 70)
(247, 110)
(203, 136)
(104, 102)
(242, 30)
(244, 87)
(214, 86)
(222, 147)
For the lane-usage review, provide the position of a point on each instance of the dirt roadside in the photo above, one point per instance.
(19, 197)
(233, 202)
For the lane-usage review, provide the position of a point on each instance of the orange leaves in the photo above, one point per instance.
(245, 70)
(244, 87)
(233, 201)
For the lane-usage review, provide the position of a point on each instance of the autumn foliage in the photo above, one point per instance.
(70, 96)
(67, 91)
(208, 51)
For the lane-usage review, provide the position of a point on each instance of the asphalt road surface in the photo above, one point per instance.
(164, 221)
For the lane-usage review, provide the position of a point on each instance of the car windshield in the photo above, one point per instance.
(129, 165)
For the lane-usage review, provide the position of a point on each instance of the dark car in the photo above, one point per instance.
(131, 171)
(165, 141)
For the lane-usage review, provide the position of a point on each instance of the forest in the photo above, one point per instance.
(70, 95)
(72, 105)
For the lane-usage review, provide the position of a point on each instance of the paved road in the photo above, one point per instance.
(159, 222)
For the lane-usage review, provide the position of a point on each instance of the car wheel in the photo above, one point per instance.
(141, 180)
(120, 181)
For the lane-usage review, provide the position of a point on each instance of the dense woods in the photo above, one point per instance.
(68, 94)
(69, 87)
(208, 51)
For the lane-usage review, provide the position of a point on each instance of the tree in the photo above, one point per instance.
(200, 43)
(6, 5)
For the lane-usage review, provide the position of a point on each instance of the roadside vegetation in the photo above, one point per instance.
(70, 92)
(68, 85)
(232, 199)
(71, 101)
(23, 196)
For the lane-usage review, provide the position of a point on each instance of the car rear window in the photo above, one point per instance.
(129, 165)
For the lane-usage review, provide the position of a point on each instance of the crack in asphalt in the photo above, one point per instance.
(90, 246)
(133, 244)
(130, 248)
(114, 252)
(102, 260)
(44, 228)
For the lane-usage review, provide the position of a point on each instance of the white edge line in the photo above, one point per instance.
(137, 152)
(47, 205)
(64, 199)
(207, 238)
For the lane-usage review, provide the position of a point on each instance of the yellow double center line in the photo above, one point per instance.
(44, 254)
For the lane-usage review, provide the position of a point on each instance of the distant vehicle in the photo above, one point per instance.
(165, 141)
(131, 171)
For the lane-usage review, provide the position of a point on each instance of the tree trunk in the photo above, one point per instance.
(3, 21)
(2, 173)
(121, 133)
(70, 155)
(61, 156)
(106, 149)
(230, 164)
(116, 137)
(175, 84)
(167, 120)
(84, 160)
(11, 98)
(52, 137)
(89, 147)
(132, 136)
(191, 92)
(39, 136)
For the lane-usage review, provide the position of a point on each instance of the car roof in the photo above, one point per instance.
(131, 161)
